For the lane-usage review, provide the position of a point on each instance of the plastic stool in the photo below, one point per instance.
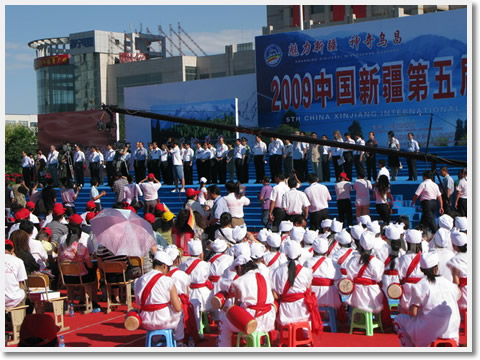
(367, 324)
(168, 338)
(463, 323)
(254, 339)
(291, 335)
(444, 343)
(394, 307)
(332, 317)
(204, 325)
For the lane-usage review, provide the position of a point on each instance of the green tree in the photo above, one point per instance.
(18, 138)
(355, 129)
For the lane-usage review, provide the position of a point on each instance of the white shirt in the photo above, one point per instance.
(188, 155)
(277, 194)
(26, 162)
(176, 156)
(260, 148)
(326, 150)
(95, 157)
(379, 199)
(462, 188)
(349, 141)
(155, 153)
(150, 190)
(239, 152)
(221, 151)
(343, 189)
(163, 155)
(383, 171)
(319, 196)
(276, 147)
(131, 191)
(52, 158)
(110, 155)
(79, 156)
(199, 153)
(297, 150)
(362, 189)
(294, 202)
(428, 190)
(235, 205)
(14, 274)
(359, 141)
(336, 151)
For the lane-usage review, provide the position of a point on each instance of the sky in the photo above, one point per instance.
(211, 26)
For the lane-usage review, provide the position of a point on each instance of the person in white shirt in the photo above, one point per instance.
(297, 155)
(276, 212)
(287, 158)
(348, 156)
(95, 160)
(239, 156)
(236, 200)
(429, 193)
(383, 198)
(150, 192)
(337, 154)
(295, 202)
(259, 152)
(319, 196)
(155, 155)
(188, 156)
(275, 150)
(109, 158)
(52, 164)
(177, 168)
(342, 190)
(131, 192)
(78, 162)
(362, 189)
(393, 161)
(359, 156)
(27, 168)
(326, 156)
(382, 170)
(198, 161)
(462, 193)
(205, 158)
(15, 274)
(220, 169)
(412, 163)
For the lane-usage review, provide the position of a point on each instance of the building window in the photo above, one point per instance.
(204, 76)
(317, 9)
(190, 73)
(245, 47)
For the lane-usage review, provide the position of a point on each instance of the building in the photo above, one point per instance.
(283, 18)
(29, 121)
(87, 69)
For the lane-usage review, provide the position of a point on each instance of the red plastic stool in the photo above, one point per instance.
(444, 343)
(292, 335)
(463, 323)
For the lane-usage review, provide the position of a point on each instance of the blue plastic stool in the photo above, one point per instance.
(167, 340)
(332, 317)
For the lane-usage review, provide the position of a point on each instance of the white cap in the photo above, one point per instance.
(367, 240)
(461, 223)
(364, 219)
(274, 240)
(285, 225)
(374, 227)
(392, 232)
(343, 237)
(445, 221)
(336, 226)
(172, 252)
(239, 233)
(163, 257)
(219, 245)
(257, 251)
(326, 223)
(458, 238)
(292, 249)
(442, 237)
(413, 236)
(320, 245)
(356, 231)
(429, 260)
(310, 236)
(400, 227)
(195, 247)
(240, 260)
(263, 234)
(242, 249)
(297, 233)
(203, 180)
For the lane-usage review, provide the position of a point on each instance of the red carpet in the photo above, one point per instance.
(106, 330)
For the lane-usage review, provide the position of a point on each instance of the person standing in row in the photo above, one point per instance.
(462, 195)
(295, 202)
(297, 155)
(306, 149)
(412, 163)
(348, 156)
(52, 163)
(287, 158)
(78, 161)
(109, 158)
(275, 149)
(164, 165)
(319, 196)
(139, 158)
(316, 158)
(429, 193)
(277, 213)
(188, 155)
(337, 155)
(27, 166)
(155, 155)
(40, 165)
(239, 158)
(447, 189)
(245, 161)
(259, 152)
(221, 160)
(359, 156)
(344, 204)
(393, 160)
(326, 157)
(371, 157)
(95, 161)
(207, 169)
(177, 162)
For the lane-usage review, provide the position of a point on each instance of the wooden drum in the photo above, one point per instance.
(345, 286)
(132, 320)
(394, 291)
(218, 300)
(242, 319)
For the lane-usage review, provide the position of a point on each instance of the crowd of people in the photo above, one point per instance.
(279, 275)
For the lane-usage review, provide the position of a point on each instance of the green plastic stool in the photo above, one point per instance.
(368, 323)
(254, 339)
(203, 323)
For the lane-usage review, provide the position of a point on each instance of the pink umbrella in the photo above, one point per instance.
(123, 232)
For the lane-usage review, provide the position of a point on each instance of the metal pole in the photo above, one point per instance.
(429, 131)
(301, 17)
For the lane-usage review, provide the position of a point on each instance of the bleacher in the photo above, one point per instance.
(402, 191)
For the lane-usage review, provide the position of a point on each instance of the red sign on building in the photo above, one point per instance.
(132, 57)
(51, 61)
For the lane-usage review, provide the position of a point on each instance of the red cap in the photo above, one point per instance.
(159, 207)
(344, 175)
(39, 326)
(151, 176)
(58, 209)
(75, 219)
(131, 208)
(90, 215)
(150, 218)
(22, 214)
(191, 192)
(47, 230)
(91, 205)
(9, 242)
(30, 205)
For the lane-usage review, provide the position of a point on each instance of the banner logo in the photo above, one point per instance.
(273, 55)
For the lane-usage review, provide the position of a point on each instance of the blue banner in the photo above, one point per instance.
(381, 75)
